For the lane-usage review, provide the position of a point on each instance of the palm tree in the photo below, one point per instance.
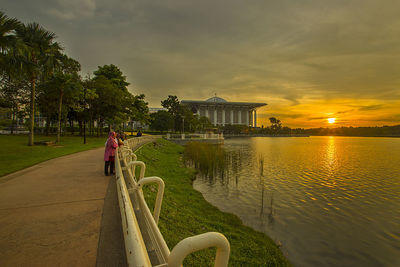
(7, 38)
(38, 55)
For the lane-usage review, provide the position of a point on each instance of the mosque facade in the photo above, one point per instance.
(221, 112)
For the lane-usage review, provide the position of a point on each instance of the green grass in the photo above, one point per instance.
(15, 154)
(186, 213)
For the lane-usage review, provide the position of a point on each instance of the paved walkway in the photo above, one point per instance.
(51, 214)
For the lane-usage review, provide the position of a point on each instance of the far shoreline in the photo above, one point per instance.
(299, 135)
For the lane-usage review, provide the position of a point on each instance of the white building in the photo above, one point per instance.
(221, 112)
(154, 110)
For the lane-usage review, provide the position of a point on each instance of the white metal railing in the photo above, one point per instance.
(131, 200)
(133, 238)
(160, 193)
(199, 242)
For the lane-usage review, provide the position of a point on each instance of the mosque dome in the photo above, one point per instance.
(216, 99)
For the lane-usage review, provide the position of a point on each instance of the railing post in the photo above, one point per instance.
(160, 193)
(132, 167)
(199, 242)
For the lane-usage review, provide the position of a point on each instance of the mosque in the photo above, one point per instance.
(221, 112)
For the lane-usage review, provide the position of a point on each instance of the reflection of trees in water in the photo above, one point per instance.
(214, 163)
(208, 159)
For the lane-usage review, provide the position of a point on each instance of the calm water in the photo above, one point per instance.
(329, 201)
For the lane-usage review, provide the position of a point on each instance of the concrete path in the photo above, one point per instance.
(51, 214)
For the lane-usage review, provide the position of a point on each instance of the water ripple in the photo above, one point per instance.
(329, 201)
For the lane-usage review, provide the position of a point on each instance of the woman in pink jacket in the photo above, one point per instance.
(109, 153)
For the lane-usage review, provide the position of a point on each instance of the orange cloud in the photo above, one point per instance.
(348, 112)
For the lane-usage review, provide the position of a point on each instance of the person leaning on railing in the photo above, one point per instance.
(109, 153)
(120, 140)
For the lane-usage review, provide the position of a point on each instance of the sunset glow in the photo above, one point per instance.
(302, 69)
(312, 113)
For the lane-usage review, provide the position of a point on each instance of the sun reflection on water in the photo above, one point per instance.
(320, 188)
(331, 163)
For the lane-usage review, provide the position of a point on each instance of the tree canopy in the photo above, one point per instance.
(36, 75)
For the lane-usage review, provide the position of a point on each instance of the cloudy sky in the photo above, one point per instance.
(308, 59)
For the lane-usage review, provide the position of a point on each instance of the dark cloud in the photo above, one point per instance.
(371, 107)
(344, 112)
(282, 115)
(288, 50)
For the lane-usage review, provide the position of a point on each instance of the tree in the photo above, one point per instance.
(185, 119)
(87, 104)
(106, 106)
(12, 87)
(67, 80)
(37, 55)
(7, 38)
(204, 123)
(60, 90)
(161, 121)
(171, 104)
(276, 124)
(116, 104)
(113, 74)
(138, 109)
(14, 92)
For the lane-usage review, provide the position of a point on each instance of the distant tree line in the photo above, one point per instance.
(356, 131)
(36, 76)
(276, 128)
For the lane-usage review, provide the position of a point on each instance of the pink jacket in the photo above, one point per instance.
(111, 145)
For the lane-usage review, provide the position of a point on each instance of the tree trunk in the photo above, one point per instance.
(17, 118)
(98, 128)
(59, 116)
(80, 127)
(32, 111)
(71, 125)
(47, 124)
(13, 120)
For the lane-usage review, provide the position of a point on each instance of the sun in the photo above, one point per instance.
(331, 120)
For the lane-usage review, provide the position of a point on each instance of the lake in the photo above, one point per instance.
(327, 201)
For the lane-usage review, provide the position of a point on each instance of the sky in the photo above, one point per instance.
(309, 60)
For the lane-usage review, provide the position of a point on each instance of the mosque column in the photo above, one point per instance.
(255, 118)
(251, 118)
(247, 117)
(215, 116)
(207, 113)
(231, 116)
(223, 117)
(239, 116)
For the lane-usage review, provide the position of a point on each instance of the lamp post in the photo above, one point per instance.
(84, 116)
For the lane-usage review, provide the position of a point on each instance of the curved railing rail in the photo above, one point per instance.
(144, 243)
(199, 242)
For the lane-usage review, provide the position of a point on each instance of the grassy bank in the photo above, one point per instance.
(16, 155)
(186, 213)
